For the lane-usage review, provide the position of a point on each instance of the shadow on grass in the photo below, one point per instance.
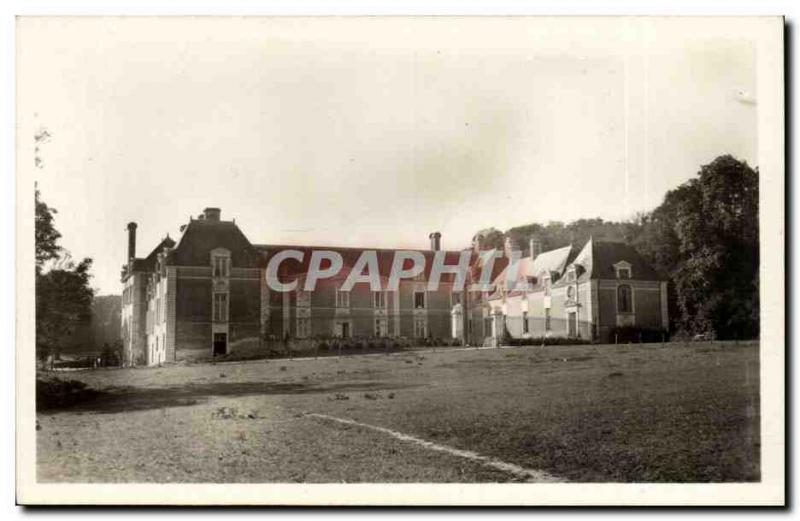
(124, 399)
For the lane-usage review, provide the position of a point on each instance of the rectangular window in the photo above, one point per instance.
(420, 327)
(624, 273)
(379, 299)
(525, 328)
(220, 312)
(303, 297)
(547, 319)
(303, 327)
(342, 299)
(381, 327)
(547, 286)
(221, 266)
(455, 298)
(570, 275)
(419, 300)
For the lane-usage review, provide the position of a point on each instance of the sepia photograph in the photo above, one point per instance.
(400, 260)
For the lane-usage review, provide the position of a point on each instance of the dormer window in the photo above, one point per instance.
(623, 270)
(546, 282)
(571, 274)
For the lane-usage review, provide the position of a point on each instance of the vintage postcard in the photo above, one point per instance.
(400, 260)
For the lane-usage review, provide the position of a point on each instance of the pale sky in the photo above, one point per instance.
(369, 132)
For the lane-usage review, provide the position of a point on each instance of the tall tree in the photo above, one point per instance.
(63, 294)
(705, 236)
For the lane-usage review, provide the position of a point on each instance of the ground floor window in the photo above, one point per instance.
(343, 329)
(525, 328)
(381, 327)
(303, 327)
(420, 327)
(547, 319)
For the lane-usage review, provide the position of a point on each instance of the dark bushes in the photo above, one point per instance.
(636, 335)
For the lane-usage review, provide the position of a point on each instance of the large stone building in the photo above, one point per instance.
(208, 295)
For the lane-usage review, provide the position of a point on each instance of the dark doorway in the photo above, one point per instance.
(220, 343)
(345, 330)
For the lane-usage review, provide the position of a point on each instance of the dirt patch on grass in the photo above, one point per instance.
(121, 399)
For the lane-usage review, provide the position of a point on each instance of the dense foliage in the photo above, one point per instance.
(63, 294)
(703, 236)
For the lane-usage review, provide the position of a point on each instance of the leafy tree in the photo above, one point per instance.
(47, 236)
(63, 294)
(705, 237)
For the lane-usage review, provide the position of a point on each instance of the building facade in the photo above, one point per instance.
(207, 295)
(586, 294)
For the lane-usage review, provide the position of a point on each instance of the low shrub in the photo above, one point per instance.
(636, 335)
(55, 393)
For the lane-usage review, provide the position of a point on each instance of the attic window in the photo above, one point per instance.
(623, 270)
(546, 282)
(571, 275)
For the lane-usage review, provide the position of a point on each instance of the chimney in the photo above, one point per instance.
(212, 214)
(508, 247)
(476, 243)
(535, 247)
(131, 240)
(436, 243)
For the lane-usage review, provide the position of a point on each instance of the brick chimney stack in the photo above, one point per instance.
(436, 241)
(131, 240)
(535, 247)
(212, 214)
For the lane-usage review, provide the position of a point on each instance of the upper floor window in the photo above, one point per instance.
(571, 293)
(624, 299)
(342, 299)
(455, 298)
(379, 299)
(419, 300)
(546, 283)
(221, 266)
(303, 297)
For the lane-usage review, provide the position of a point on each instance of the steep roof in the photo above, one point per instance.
(603, 255)
(201, 236)
(546, 263)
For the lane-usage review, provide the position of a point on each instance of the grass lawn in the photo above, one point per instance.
(681, 412)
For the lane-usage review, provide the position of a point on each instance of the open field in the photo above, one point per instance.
(680, 412)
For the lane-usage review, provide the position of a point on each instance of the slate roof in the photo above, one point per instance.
(202, 235)
(595, 261)
(604, 254)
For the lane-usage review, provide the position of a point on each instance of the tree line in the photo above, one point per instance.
(703, 236)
